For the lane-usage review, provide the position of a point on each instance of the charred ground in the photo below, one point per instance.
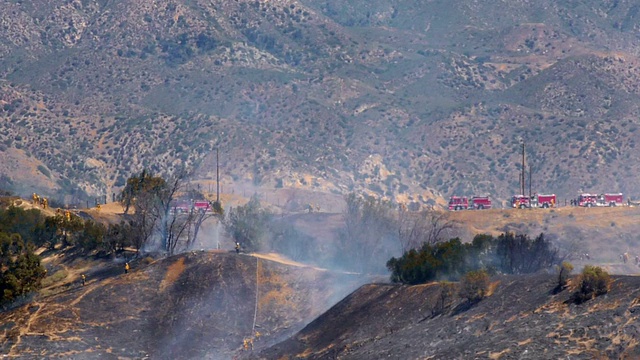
(195, 305)
(521, 318)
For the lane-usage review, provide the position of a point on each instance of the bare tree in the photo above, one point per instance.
(369, 230)
(423, 227)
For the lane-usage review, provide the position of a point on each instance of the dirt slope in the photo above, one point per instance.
(199, 305)
(521, 319)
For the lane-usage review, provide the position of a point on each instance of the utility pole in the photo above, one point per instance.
(217, 177)
(530, 183)
(524, 166)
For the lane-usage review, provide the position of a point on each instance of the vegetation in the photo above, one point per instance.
(20, 268)
(564, 271)
(474, 285)
(508, 254)
(594, 281)
(369, 231)
(248, 224)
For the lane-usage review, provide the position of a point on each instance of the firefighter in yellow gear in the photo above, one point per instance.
(67, 215)
(126, 268)
(35, 198)
(247, 344)
(84, 280)
(45, 203)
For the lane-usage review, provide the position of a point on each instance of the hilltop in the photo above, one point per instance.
(520, 319)
(410, 100)
(200, 304)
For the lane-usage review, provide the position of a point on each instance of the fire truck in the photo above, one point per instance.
(480, 203)
(181, 207)
(544, 201)
(535, 201)
(458, 203)
(591, 200)
(520, 201)
(202, 206)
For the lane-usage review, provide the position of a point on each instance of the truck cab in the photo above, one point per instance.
(458, 203)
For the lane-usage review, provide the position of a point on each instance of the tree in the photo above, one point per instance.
(518, 254)
(417, 228)
(20, 268)
(369, 234)
(248, 224)
(151, 197)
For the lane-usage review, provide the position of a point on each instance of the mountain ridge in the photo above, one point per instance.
(298, 94)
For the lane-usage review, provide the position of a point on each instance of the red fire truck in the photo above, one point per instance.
(480, 203)
(591, 200)
(202, 206)
(180, 207)
(544, 201)
(520, 201)
(458, 203)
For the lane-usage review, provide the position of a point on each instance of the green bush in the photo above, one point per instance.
(474, 285)
(507, 254)
(594, 281)
(564, 270)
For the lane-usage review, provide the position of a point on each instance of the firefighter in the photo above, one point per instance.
(84, 279)
(34, 197)
(237, 248)
(45, 203)
(126, 268)
(67, 215)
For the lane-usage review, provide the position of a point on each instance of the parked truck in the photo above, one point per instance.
(593, 200)
(480, 203)
(535, 201)
(458, 203)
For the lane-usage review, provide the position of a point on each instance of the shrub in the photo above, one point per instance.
(594, 281)
(564, 270)
(474, 285)
(445, 298)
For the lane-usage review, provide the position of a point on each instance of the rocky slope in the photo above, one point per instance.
(407, 99)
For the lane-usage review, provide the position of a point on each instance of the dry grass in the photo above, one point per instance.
(173, 273)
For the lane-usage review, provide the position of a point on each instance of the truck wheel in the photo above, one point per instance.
(523, 206)
(545, 206)
(589, 205)
(481, 207)
(612, 204)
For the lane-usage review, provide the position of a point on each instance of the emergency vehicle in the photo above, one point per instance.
(544, 201)
(591, 200)
(181, 207)
(458, 203)
(202, 206)
(520, 201)
(480, 203)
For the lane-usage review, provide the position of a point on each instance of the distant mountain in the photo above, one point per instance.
(411, 100)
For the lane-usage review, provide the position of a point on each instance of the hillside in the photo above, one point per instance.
(521, 319)
(197, 305)
(407, 99)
